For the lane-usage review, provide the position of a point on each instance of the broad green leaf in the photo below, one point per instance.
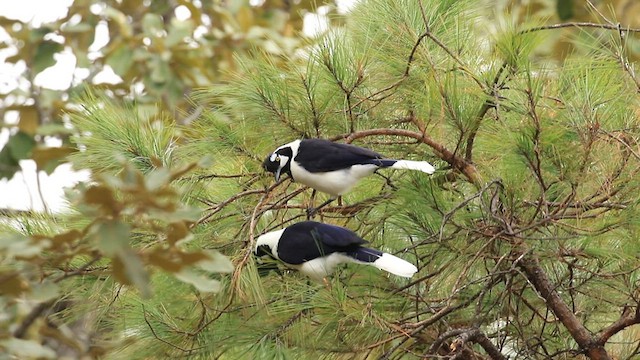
(157, 178)
(565, 9)
(27, 349)
(16, 245)
(217, 263)
(77, 28)
(45, 291)
(178, 31)
(21, 145)
(112, 237)
(29, 120)
(17, 148)
(176, 232)
(121, 59)
(8, 165)
(13, 284)
(43, 57)
(198, 281)
(135, 271)
(160, 71)
(47, 159)
(53, 129)
(206, 162)
(186, 213)
(103, 197)
(152, 24)
(35, 35)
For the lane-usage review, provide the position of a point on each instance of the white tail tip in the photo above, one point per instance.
(395, 265)
(414, 165)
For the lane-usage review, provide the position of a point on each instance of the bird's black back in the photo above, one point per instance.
(318, 155)
(308, 240)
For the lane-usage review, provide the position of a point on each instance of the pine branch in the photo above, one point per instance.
(590, 345)
(616, 27)
(155, 335)
(627, 319)
(457, 162)
(463, 336)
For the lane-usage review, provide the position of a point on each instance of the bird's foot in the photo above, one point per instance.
(311, 212)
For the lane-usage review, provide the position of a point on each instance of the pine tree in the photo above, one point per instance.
(525, 237)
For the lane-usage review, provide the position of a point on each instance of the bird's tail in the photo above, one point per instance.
(384, 261)
(409, 165)
(414, 165)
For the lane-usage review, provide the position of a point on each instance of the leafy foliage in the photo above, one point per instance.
(156, 53)
(138, 226)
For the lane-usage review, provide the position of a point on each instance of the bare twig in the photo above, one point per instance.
(153, 332)
(577, 25)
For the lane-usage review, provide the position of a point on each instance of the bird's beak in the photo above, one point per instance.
(278, 174)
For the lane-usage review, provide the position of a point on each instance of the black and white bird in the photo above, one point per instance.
(332, 168)
(316, 249)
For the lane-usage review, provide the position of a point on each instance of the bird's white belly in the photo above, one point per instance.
(321, 267)
(335, 182)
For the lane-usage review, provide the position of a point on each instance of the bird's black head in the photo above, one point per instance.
(279, 161)
(263, 250)
(266, 262)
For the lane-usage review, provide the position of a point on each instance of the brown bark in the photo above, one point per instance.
(543, 285)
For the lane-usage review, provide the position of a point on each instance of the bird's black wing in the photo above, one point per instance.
(309, 240)
(336, 236)
(318, 155)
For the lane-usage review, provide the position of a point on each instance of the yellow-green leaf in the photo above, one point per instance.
(47, 159)
(216, 262)
(43, 57)
(176, 232)
(112, 237)
(103, 197)
(135, 272)
(29, 120)
(198, 281)
(20, 145)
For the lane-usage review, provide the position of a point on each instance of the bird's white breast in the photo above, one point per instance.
(335, 182)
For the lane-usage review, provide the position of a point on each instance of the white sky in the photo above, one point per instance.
(21, 192)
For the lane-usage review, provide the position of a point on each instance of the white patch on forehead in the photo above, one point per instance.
(273, 157)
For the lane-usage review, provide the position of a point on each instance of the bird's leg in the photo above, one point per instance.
(311, 212)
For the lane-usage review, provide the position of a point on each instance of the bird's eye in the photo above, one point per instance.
(278, 158)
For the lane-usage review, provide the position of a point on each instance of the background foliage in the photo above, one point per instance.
(526, 237)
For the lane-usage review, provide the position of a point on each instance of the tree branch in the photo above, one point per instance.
(578, 25)
(624, 322)
(478, 337)
(457, 162)
(538, 278)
